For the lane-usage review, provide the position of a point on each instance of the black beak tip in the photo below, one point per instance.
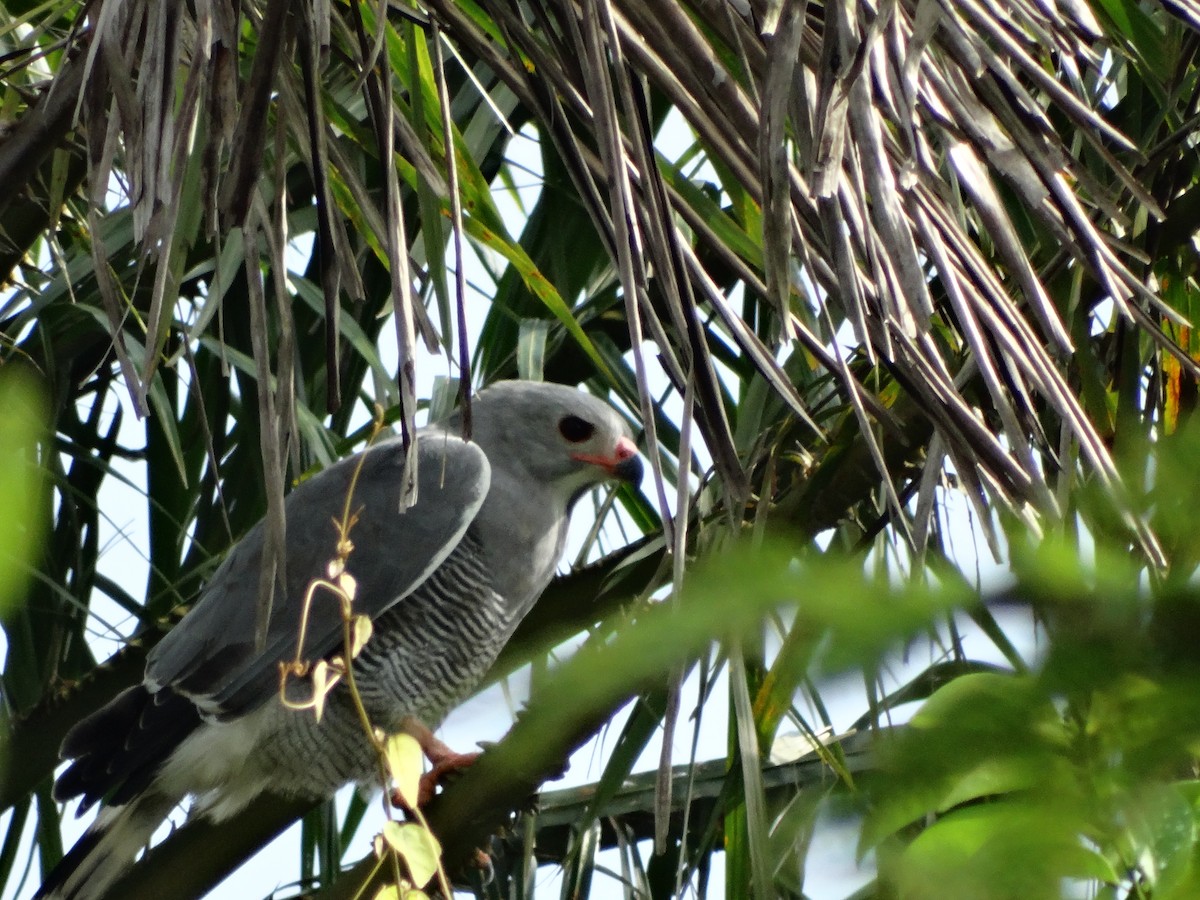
(630, 470)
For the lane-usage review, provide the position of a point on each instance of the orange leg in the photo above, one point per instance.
(442, 758)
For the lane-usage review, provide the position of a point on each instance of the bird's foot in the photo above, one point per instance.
(444, 761)
(449, 764)
(483, 862)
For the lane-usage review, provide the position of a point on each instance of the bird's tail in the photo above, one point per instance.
(106, 850)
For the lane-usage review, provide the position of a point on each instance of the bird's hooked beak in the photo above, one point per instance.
(623, 463)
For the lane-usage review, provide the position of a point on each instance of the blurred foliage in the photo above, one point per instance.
(891, 288)
(21, 482)
(1081, 770)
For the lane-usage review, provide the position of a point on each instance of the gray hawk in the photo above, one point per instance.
(445, 583)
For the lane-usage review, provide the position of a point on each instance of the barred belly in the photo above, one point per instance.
(424, 657)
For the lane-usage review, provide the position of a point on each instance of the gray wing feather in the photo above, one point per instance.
(210, 656)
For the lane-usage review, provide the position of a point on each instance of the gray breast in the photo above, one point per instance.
(426, 654)
(430, 649)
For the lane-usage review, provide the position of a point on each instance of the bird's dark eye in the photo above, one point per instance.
(575, 429)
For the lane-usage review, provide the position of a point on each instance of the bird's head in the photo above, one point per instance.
(559, 435)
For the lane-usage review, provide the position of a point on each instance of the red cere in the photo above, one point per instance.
(625, 448)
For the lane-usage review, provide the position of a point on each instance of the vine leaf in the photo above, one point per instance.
(403, 755)
(418, 848)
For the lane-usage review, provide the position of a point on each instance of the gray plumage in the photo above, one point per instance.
(445, 583)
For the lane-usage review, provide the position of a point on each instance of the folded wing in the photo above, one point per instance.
(210, 656)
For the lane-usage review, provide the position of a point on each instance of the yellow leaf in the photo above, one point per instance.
(324, 679)
(404, 762)
(348, 585)
(362, 634)
(319, 675)
(390, 892)
(418, 848)
(391, 833)
(335, 568)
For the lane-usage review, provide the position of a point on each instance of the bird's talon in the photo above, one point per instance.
(444, 766)
(426, 788)
(482, 861)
